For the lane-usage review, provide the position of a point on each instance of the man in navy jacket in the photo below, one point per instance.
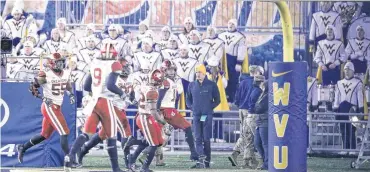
(202, 97)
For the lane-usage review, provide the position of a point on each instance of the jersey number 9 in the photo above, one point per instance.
(97, 77)
(58, 89)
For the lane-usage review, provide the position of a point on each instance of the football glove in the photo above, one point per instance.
(47, 101)
(34, 89)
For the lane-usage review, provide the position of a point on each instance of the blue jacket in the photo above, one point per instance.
(244, 76)
(202, 98)
(253, 98)
(243, 91)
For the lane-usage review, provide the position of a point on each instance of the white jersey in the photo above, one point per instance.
(234, 44)
(330, 52)
(358, 49)
(217, 47)
(78, 78)
(170, 54)
(186, 68)
(99, 71)
(85, 57)
(175, 88)
(121, 45)
(312, 94)
(51, 46)
(349, 90)
(56, 85)
(341, 6)
(154, 59)
(147, 97)
(321, 20)
(17, 28)
(200, 51)
(161, 45)
(36, 51)
(30, 64)
(126, 87)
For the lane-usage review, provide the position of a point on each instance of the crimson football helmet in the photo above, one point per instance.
(169, 68)
(108, 52)
(156, 78)
(56, 62)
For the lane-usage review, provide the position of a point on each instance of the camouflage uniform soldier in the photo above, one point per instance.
(245, 100)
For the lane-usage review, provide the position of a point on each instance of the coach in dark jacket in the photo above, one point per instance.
(202, 97)
(261, 133)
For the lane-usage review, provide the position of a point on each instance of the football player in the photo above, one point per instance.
(148, 119)
(54, 83)
(102, 83)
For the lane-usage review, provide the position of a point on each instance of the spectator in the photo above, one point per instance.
(329, 55)
(322, 19)
(198, 49)
(202, 97)
(348, 98)
(245, 102)
(235, 50)
(359, 52)
(261, 133)
(188, 26)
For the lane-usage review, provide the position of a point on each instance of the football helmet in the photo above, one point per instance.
(169, 68)
(125, 72)
(56, 63)
(156, 78)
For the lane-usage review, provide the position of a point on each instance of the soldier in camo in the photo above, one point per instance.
(245, 100)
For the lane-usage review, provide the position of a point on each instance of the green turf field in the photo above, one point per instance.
(220, 163)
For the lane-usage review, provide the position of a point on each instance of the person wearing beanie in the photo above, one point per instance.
(121, 45)
(329, 56)
(358, 51)
(90, 31)
(88, 54)
(202, 97)
(188, 26)
(165, 36)
(245, 101)
(185, 66)
(217, 45)
(348, 99)
(147, 56)
(66, 35)
(198, 49)
(235, 54)
(171, 51)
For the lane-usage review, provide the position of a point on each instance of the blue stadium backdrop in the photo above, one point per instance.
(287, 117)
(21, 119)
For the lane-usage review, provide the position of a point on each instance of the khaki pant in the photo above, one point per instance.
(245, 141)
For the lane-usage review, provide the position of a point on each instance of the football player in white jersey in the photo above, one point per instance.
(102, 83)
(148, 119)
(165, 36)
(54, 82)
(172, 50)
(147, 56)
(322, 19)
(120, 44)
(235, 53)
(53, 44)
(217, 44)
(66, 35)
(329, 55)
(198, 49)
(348, 99)
(86, 55)
(122, 122)
(185, 66)
(82, 42)
(169, 94)
(30, 66)
(358, 51)
(188, 27)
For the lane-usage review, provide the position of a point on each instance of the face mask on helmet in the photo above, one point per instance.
(156, 78)
(125, 72)
(57, 65)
